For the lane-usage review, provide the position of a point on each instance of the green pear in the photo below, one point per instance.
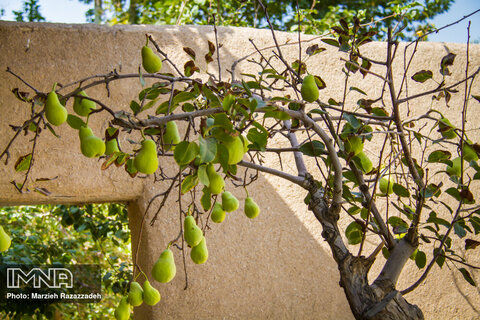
(206, 200)
(151, 296)
(199, 253)
(192, 233)
(111, 146)
(469, 153)
(218, 214)
(235, 149)
(151, 62)
(146, 161)
(353, 145)
(5, 240)
(90, 145)
(363, 162)
(447, 130)
(455, 169)
(386, 184)
(135, 295)
(83, 107)
(251, 208)
(309, 89)
(164, 269)
(216, 181)
(171, 137)
(122, 312)
(55, 112)
(229, 202)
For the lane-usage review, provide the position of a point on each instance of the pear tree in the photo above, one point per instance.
(230, 126)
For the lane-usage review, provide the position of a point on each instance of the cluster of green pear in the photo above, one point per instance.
(146, 160)
(55, 112)
(83, 107)
(150, 61)
(309, 89)
(171, 137)
(164, 269)
(194, 238)
(216, 182)
(386, 184)
(90, 145)
(136, 296)
(251, 208)
(353, 145)
(236, 149)
(5, 240)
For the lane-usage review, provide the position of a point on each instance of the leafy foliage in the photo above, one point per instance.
(92, 234)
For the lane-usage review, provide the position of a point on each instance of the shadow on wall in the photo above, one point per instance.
(266, 268)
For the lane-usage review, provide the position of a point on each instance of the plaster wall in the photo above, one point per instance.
(276, 266)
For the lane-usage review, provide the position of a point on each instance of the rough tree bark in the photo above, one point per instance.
(379, 301)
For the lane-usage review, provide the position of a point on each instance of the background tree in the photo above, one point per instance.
(46, 235)
(30, 12)
(316, 16)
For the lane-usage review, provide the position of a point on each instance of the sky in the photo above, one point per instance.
(72, 11)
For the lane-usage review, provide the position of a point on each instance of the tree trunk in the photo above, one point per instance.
(98, 11)
(133, 12)
(379, 301)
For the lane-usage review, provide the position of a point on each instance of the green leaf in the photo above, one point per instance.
(279, 115)
(75, 122)
(459, 230)
(354, 233)
(208, 149)
(385, 252)
(202, 175)
(222, 152)
(421, 259)
(23, 163)
(185, 152)
(440, 259)
(353, 121)
(228, 101)
(213, 100)
(400, 190)
(312, 149)
(331, 42)
(422, 76)
(466, 275)
(437, 221)
(320, 83)
(258, 138)
(439, 156)
(358, 90)
(189, 183)
(454, 193)
(182, 97)
(222, 120)
(396, 221)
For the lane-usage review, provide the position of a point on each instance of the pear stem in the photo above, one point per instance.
(246, 190)
(54, 87)
(143, 135)
(146, 43)
(141, 272)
